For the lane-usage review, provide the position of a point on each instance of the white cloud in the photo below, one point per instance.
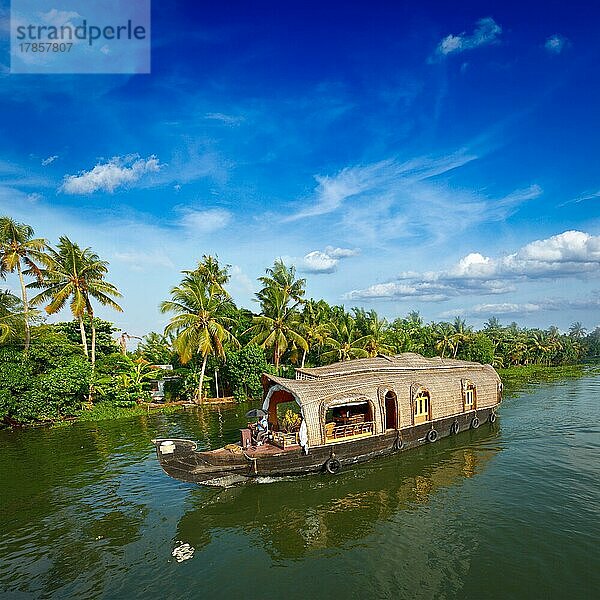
(33, 197)
(318, 261)
(388, 200)
(490, 309)
(400, 291)
(568, 254)
(204, 221)
(59, 17)
(108, 176)
(555, 44)
(224, 118)
(240, 283)
(358, 182)
(582, 198)
(141, 261)
(341, 252)
(49, 160)
(486, 32)
(516, 309)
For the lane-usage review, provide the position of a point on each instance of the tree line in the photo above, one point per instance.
(215, 347)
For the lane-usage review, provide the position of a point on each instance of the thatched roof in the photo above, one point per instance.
(355, 376)
(381, 363)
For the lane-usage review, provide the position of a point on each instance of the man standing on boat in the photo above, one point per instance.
(262, 429)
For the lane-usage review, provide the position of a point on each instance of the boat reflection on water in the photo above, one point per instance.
(291, 517)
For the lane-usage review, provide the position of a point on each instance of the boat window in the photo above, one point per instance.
(469, 397)
(351, 419)
(422, 407)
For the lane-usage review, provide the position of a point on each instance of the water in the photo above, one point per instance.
(509, 511)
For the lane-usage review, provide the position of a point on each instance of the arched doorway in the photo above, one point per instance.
(391, 410)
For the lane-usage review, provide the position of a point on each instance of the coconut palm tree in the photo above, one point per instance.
(19, 248)
(462, 332)
(156, 348)
(200, 324)
(492, 324)
(11, 316)
(211, 272)
(75, 275)
(279, 276)
(577, 330)
(279, 326)
(314, 328)
(344, 340)
(376, 334)
(445, 338)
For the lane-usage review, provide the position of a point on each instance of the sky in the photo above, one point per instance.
(427, 156)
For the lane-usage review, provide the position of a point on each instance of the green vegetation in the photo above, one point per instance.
(211, 347)
(106, 411)
(517, 379)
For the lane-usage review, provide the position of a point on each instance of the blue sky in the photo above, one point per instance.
(405, 156)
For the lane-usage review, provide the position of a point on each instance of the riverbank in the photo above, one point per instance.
(105, 411)
(515, 379)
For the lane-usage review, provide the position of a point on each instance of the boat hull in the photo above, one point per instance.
(231, 466)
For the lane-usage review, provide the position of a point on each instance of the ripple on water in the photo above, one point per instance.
(509, 511)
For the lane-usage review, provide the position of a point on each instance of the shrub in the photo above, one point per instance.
(57, 393)
(242, 370)
(478, 348)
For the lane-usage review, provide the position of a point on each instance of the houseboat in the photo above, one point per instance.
(347, 412)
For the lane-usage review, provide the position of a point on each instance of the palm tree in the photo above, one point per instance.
(279, 325)
(376, 335)
(11, 316)
(445, 336)
(284, 278)
(156, 348)
(462, 332)
(212, 273)
(492, 324)
(345, 340)
(18, 247)
(200, 324)
(75, 274)
(414, 318)
(314, 328)
(577, 330)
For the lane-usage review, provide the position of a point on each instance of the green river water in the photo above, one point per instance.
(506, 511)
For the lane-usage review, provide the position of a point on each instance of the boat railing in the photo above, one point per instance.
(346, 431)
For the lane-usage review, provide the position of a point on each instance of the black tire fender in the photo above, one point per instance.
(333, 465)
(492, 417)
(454, 428)
(474, 423)
(432, 436)
(398, 443)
